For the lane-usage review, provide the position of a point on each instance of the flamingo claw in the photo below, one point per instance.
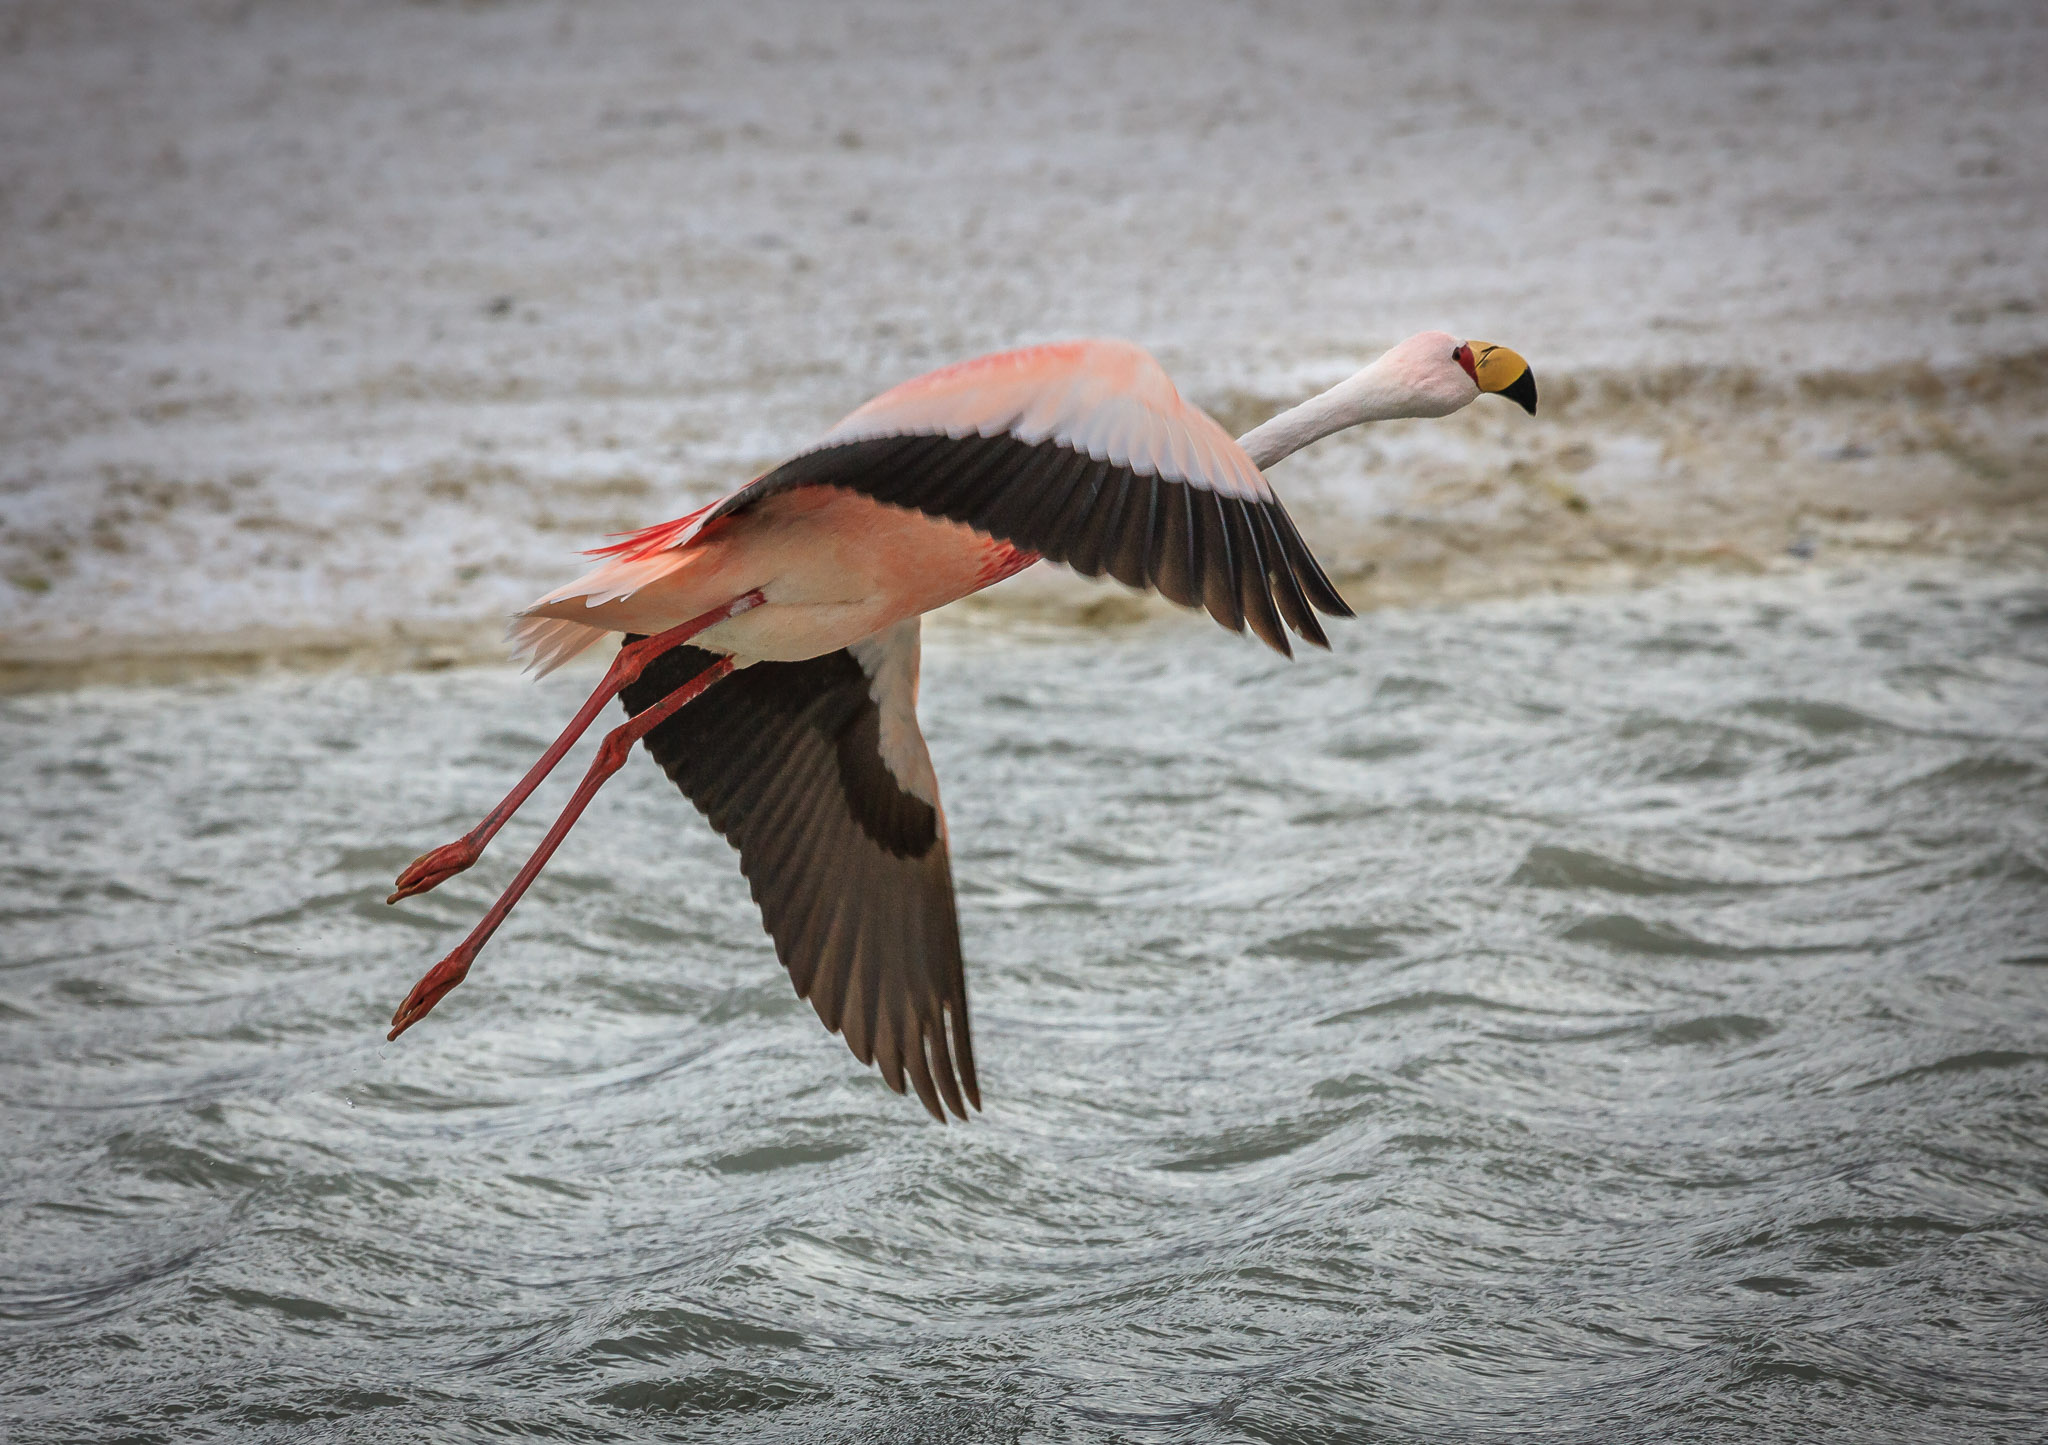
(432, 988)
(433, 868)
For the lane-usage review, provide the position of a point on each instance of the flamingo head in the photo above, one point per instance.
(1433, 373)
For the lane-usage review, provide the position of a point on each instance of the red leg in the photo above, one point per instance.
(611, 756)
(432, 869)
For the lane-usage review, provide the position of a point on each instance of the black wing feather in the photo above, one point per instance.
(850, 871)
(1088, 513)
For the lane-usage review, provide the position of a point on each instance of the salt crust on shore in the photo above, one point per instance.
(335, 330)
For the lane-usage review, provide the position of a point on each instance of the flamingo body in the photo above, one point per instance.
(771, 654)
(834, 566)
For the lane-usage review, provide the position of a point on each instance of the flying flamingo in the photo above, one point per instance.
(799, 595)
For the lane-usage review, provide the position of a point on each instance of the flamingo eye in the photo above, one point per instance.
(1463, 356)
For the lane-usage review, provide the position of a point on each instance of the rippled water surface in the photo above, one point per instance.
(1619, 1018)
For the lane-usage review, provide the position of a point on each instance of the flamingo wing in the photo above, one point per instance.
(1085, 454)
(817, 773)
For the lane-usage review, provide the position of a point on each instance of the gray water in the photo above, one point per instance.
(1621, 1018)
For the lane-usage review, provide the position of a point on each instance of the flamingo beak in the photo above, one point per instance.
(1499, 370)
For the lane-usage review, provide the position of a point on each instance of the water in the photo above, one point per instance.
(1617, 1018)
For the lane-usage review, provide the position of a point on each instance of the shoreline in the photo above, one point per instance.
(1041, 598)
(1625, 479)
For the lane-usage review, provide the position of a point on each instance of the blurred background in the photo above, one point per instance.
(1601, 999)
(341, 328)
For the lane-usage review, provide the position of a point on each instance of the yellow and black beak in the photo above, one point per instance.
(1499, 370)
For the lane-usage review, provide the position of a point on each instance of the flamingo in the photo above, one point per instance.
(791, 608)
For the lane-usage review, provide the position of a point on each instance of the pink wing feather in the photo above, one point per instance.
(1109, 399)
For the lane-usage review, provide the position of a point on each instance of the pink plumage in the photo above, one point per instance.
(841, 549)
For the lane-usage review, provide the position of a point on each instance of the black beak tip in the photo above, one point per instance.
(1522, 392)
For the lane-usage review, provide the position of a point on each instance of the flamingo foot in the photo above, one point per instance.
(452, 858)
(433, 987)
(436, 866)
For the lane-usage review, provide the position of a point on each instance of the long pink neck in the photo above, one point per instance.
(1370, 395)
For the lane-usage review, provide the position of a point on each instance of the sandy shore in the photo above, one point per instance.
(335, 331)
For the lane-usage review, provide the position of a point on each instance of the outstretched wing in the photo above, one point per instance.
(817, 773)
(1085, 454)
